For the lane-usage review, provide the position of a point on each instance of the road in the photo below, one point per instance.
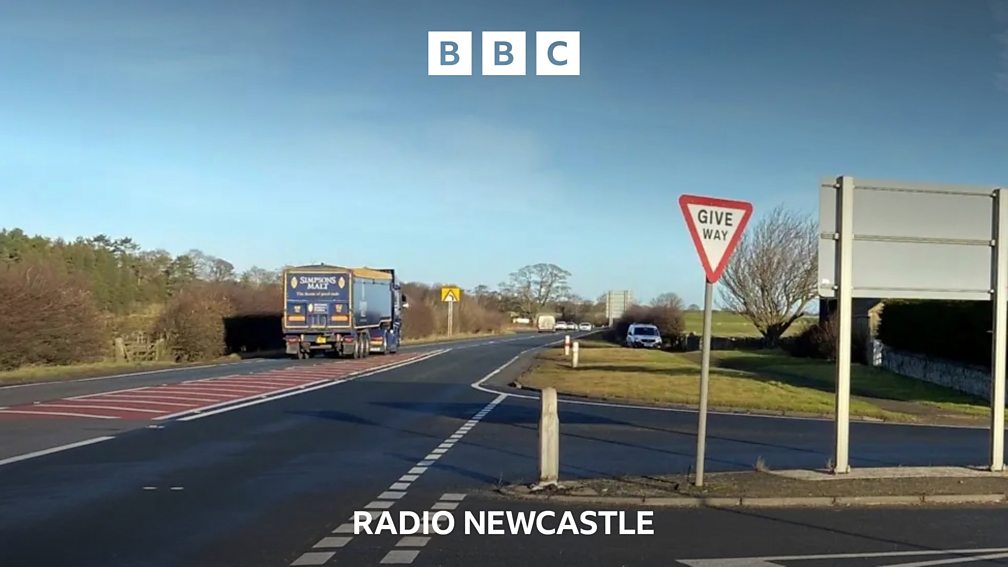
(273, 465)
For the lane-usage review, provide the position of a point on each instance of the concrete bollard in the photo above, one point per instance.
(549, 439)
(567, 345)
(574, 355)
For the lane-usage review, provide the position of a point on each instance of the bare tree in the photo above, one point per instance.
(221, 270)
(534, 287)
(668, 299)
(772, 275)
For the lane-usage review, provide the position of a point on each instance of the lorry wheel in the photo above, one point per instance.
(366, 344)
(357, 351)
(384, 343)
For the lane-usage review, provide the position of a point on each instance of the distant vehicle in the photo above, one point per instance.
(585, 327)
(561, 325)
(641, 335)
(349, 312)
(546, 323)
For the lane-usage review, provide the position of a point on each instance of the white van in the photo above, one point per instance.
(643, 335)
(546, 323)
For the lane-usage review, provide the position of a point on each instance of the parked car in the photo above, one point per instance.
(585, 327)
(642, 335)
(562, 326)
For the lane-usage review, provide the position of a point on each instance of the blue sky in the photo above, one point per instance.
(284, 133)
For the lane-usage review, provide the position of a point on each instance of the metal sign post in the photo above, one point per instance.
(450, 317)
(701, 448)
(844, 286)
(716, 225)
(999, 286)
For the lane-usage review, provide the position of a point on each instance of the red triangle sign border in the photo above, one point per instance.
(713, 273)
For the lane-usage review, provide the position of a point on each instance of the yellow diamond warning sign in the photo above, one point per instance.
(451, 294)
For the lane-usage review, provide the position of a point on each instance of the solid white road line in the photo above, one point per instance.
(129, 374)
(95, 406)
(139, 401)
(52, 450)
(59, 413)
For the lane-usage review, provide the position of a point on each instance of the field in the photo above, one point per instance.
(728, 324)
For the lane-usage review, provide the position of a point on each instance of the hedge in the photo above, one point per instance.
(953, 330)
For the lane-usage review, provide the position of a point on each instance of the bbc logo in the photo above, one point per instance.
(503, 53)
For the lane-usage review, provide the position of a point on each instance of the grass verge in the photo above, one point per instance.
(865, 380)
(631, 375)
(83, 370)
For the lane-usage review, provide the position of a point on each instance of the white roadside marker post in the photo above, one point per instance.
(549, 440)
(574, 355)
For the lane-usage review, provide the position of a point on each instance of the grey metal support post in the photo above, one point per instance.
(999, 286)
(701, 447)
(844, 291)
(451, 317)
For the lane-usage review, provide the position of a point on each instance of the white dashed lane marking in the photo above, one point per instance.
(448, 501)
(388, 499)
(333, 542)
(399, 557)
(314, 558)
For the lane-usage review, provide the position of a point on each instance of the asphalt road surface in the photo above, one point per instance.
(266, 463)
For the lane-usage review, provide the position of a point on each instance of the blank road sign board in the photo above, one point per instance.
(911, 240)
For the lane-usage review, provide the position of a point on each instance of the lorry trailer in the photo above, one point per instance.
(346, 312)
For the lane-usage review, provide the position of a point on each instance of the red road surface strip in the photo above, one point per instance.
(168, 401)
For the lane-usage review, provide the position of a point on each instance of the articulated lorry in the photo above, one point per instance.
(348, 312)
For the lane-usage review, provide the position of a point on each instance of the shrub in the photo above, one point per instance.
(418, 320)
(427, 315)
(193, 322)
(48, 317)
(816, 340)
(669, 321)
(819, 340)
(954, 330)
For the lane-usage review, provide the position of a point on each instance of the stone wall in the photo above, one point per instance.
(969, 379)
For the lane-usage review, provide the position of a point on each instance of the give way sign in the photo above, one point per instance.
(715, 225)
